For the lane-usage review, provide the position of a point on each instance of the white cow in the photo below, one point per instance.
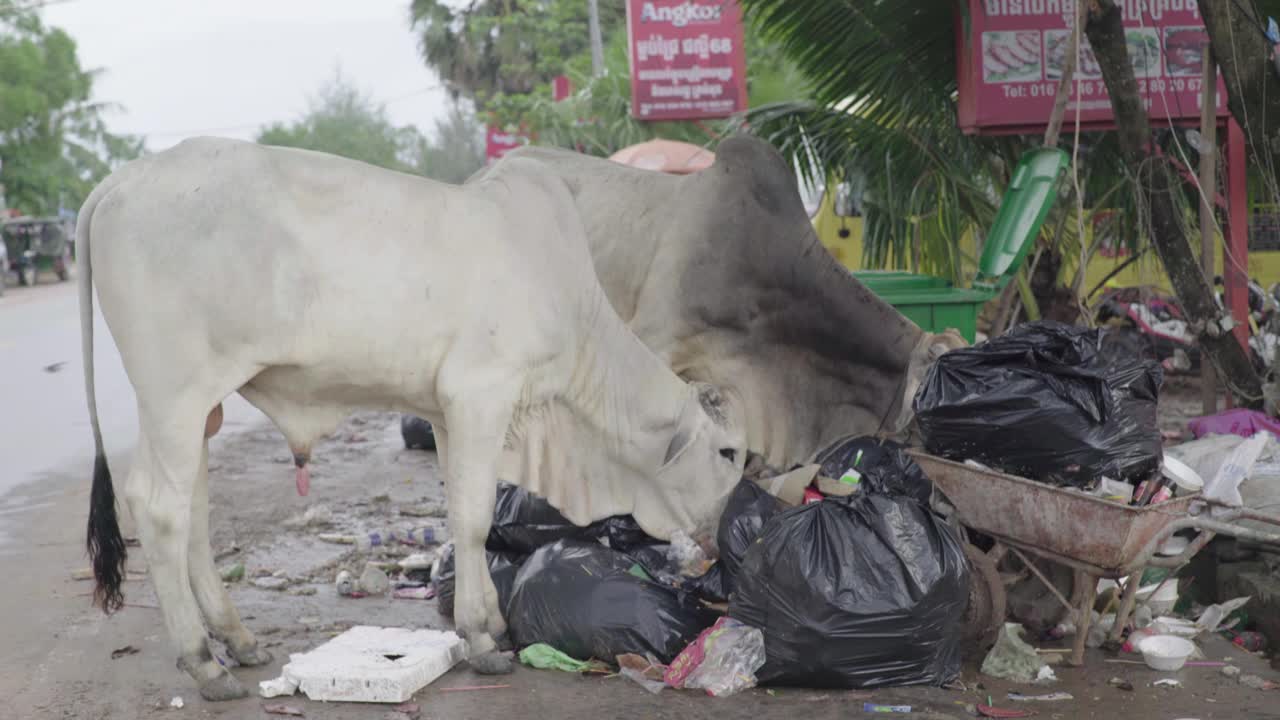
(313, 286)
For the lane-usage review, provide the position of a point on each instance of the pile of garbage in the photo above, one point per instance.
(1150, 322)
(1046, 403)
(836, 574)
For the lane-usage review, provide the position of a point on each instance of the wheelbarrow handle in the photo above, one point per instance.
(1147, 557)
(1237, 532)
(1222, 522)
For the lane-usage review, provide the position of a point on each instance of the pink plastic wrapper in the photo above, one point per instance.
(722, 660)
(1239, 421)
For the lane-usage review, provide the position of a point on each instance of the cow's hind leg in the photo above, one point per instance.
(220, 615)
(160, 491)
(474, 441)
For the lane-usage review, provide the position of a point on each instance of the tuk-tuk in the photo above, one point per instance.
(37, 245)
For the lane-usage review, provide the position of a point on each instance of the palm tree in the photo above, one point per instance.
(883, 87)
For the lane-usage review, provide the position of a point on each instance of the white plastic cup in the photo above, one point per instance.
(1164, 598)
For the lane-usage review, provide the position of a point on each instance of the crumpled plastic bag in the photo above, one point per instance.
(748, 509)
(417, 433)
(882, 464)
(711, 587)
(722, 660)
(620, 532)
(686, 555)
(1011, 658)
(545, 657)
(1214, 617)
(1224, 486)
(584, 599)
(868, 590)
(524, 522)
(646, 671)
(1042, 402)
(503, 567)
(1241, 422)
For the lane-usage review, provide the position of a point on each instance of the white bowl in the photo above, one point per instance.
(1166, 652)
(1187, 480)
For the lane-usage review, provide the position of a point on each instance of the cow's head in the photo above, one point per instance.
(704, 461)
(927, 351)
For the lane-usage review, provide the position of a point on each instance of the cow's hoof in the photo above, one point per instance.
(223, 686)
(504, 643)
(492, 663)
(253, 656)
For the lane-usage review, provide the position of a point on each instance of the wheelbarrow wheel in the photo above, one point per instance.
(985, 614)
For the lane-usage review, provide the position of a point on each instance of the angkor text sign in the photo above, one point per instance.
(687, 59)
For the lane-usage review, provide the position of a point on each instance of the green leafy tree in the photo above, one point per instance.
(344, 120)
(893, 122)
(486, 48)
(596, 118)
(503, 55)
(457, 150)
(54, 145)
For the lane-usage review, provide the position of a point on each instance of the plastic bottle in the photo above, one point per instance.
(345, 584)
(417, 536)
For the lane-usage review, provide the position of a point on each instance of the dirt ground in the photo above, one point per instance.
(56, 654)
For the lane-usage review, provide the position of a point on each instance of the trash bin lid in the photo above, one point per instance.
(1023, 209)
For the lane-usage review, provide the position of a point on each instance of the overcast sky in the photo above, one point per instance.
(226, 67)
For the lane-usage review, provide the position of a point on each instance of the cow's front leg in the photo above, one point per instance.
(474, 442)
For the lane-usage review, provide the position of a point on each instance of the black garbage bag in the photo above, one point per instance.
(524, 522)
(417, 433)
(653, 558)
(620, 532)
(864, 591)
(502, 568)
(589, 601)
(883, 465)
(748, 509)
(711, 586)
(1044, 403)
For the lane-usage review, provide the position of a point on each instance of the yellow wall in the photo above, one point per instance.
(1263, 266)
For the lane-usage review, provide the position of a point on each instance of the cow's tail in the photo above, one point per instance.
(106, 546)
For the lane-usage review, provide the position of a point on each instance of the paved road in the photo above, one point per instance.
(44, 425)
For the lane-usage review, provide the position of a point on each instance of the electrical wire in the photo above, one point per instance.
(1181, 151)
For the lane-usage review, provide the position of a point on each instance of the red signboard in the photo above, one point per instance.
(1011, 59)
(687, 59)
(561, 88)
(498, 142)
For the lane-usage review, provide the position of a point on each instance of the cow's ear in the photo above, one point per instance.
(944, 342)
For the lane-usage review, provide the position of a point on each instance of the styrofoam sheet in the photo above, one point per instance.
(374, 664)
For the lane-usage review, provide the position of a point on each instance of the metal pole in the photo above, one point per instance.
(1208, 190)
(597, 46)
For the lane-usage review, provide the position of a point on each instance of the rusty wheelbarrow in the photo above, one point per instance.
(1095, 537)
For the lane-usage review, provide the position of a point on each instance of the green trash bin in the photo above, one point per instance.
(881, 281)
(932, 302)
